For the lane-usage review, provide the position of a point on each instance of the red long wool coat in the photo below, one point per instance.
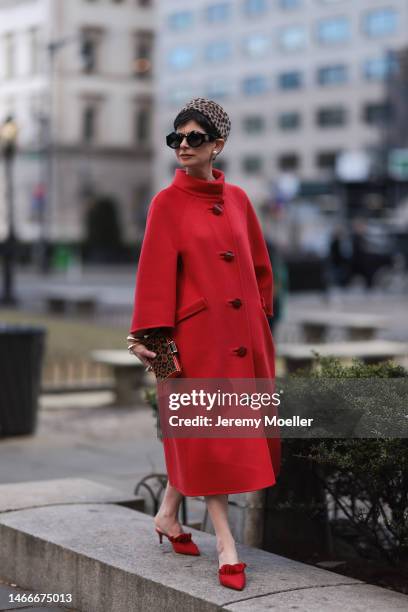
(204, 270)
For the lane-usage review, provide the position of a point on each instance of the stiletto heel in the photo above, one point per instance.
(182, 543)
(232, 575)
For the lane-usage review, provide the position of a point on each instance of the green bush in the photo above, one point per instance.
(367, 477)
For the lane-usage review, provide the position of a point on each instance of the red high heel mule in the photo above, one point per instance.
(182, 543)
(232, 575)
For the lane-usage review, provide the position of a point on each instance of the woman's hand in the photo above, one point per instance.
(137, 347)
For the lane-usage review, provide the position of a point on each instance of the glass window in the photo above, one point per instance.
(289, 121)
(143, 45)
(326, 160)
(180, 20)
(254, 85)
(255, 7)
(332, 75)
(253, 124)
(179, 93)
(218, 50)
(290, 80)
(89, 124)
(252, 164)
(256, 45)
(292, 38)
(289, 161)
(290, 4)
(34, 43)
(143, 125)
(380, 68)
(332, 31)
(219, 12)
(218, 88)
(181, 58)
(331, 116)
(377, 113)
(380, 22)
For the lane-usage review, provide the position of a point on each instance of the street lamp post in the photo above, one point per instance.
(8, 139)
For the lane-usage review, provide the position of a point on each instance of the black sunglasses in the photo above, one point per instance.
(194, 139)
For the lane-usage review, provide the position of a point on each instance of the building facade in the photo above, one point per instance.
(87, 65)
(302, 80)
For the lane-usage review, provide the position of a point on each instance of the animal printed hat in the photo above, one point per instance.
(213, 112)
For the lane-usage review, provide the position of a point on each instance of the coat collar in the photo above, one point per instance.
(200, 187)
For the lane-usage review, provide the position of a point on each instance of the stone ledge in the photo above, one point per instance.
(109, 558)
(21, 495)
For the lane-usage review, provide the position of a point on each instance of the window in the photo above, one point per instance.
(89, 49)
(181, 58)
(288, 161)
(292, 38)
(218, 88)
(9, 56)
(256, 45)
(143, 124)
(333, 31)
(331, 116)
(377, 113)
(252, 164)
(34, 45)
(253, 124)
(255, 85)
(179, 93)
(218, 13)
(142, 64)
(290, 80)
(332, 75)
(180, 20)
(380, 22)
(255, 7)
(326, 160)
(288, 5)
(289, 121)
(380, 68)
(218, 50)
(89, 123)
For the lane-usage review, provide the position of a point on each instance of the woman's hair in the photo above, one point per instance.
(195, 115)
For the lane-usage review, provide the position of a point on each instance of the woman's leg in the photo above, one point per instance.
(218, 510)
(167, 517)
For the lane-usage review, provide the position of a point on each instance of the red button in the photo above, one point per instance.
(241, 351)
(217, 209)
(228, 255)
(236, 303)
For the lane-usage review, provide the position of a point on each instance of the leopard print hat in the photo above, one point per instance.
(213, 112)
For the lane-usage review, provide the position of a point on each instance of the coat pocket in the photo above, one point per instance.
(191, 309)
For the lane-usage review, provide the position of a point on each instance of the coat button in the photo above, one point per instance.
(236, 303)
(228, 255)
(241, 351)
(217, 209)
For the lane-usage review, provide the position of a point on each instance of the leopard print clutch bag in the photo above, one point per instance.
(166, 364)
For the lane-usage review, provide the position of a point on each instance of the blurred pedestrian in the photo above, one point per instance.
(340, 258)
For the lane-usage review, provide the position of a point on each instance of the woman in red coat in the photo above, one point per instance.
(204, 272)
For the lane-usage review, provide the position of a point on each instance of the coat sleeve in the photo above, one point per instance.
(261, 259)
(156, 276)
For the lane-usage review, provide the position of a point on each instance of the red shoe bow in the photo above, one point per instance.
(232, 575)
(234, 568)
(182, 537)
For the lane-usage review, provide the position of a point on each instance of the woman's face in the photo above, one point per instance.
(196, 156)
